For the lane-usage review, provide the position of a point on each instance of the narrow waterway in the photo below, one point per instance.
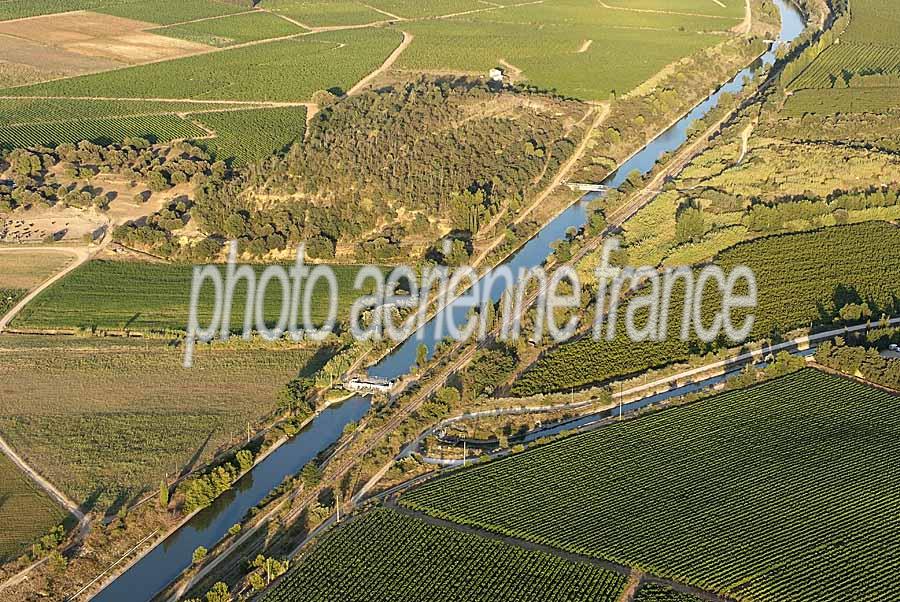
(163, 564)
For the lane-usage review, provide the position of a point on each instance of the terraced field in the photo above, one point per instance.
(774, 493)
(385, 555)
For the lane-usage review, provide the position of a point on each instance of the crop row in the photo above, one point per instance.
(255, 134)
(385, 555)
(845, 100)
(154, 127)
(841, 59)
(802, 280)
(782, 491)
(145, 296)
(26, 512)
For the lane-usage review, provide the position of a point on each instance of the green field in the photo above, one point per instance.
(146, 296)
(157, 128)
(794, 290)
(287, 70)
(385, 555)
(232, 30)
(104, 419)
(778, 492)
(27, 512)
(412, 9)
(829, 102)
(245, 136)
(325, 14)
(545, 41)
(874, 22)
(166, 12)
(19, 9)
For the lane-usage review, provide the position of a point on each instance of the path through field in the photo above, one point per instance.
(387, 64)
(663, 12)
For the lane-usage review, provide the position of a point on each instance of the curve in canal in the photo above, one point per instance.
(164, 563)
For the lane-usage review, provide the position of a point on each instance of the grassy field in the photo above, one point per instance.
(288, 70)
(232, 30)
(19, 9)
(244, 136)
(104, 419)
(165, 12)
(26, 512)
(412, 9)
(829, 102)
(27, 270)
(802, 279)
(144, 296)
(386, 555)
(778, 492)
(549, 43)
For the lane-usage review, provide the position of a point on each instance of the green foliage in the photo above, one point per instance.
(200, 491)
(647, 490)
(163, 499)
(689, 225)
(652, 592)
(199, 555)
(311, 474)
(162, 128)
(164, 12)
(489, 369)
(860, 360)
(387, 555)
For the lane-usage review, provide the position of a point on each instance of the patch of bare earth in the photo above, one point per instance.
(85, 42)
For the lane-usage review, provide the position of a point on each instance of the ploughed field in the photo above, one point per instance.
(786, 491)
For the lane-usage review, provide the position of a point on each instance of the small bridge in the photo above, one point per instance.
(582, 187)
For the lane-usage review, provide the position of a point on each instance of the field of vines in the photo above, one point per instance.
(114, 295)
(326, 13)
(874, 22)
(385, 555)
(107, 418)
(850, 58)
(784, 491)
(31, 111)
(651, 592)
(162, 128)
(802, 279)
(27, 513)
(19, 9)
(166, 12)
(245, 136)
(232, 30)
(830, 102)
(286, 70)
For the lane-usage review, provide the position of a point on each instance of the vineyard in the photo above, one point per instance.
(828, 71)
(874, 22)
(793, 292)
(286, 70)
(165, 12)
(772, 493)
(244, 136)
(385, 555)
(104, 419)
(845, 100)
(546, 53)
(154, 297)
(27, 513)
(326, 13)
(160, 128)
(232, 30)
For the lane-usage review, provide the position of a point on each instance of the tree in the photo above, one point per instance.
(310, 475)
(689, 225)
(163, 494)
(199, 554)
(421, 355)
(244, 459)
(218, 593)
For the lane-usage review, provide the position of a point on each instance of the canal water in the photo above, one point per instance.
(165, 562)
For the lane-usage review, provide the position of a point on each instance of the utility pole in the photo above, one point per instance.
(248, 432)
(464, 452)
